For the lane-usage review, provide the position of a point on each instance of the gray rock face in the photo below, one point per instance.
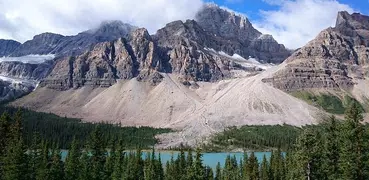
(242, 37)
(331, 60)
(182, 46)
(25, 71)
(7, 47)
(106, 62)
(40, 44)
(10, 91)
(49, 43)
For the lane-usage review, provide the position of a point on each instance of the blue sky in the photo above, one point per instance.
(291, 22)
(252, 8)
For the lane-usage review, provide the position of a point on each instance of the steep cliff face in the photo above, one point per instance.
(13, 90)
(49, 43)
(183, 44)
(242, 37)
(332, 60)
(106, 62)
(7, 47)
(25, 71)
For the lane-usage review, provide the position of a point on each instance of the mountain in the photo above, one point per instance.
(189, 76)
(8, 46)
(50, 43)
(336, 59)
(242, 37)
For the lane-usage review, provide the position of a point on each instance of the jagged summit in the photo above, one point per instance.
(112, 26)
(226, 24)
(335, 59)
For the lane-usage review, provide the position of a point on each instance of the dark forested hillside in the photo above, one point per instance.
(62, 130)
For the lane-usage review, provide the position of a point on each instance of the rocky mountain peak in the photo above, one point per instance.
(8, 46)
(332, 60)
(225, 23)
(354, 21)
(140, 33)
(112, 27)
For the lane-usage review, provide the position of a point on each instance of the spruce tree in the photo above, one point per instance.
(72, 161)
(253, 167)
(98, 158)
(264, 175)
(85, 166)
(332, 151)
(309, 155)
(118, 162)
(56, 171)
(218, 172)
(352, 163)
(42, 171)
(15, 160)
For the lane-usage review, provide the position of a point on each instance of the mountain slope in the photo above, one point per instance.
(335, 59)
(197, 113)
(7, 47)
(50, 43)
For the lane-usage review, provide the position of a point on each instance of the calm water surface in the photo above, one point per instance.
(210, 159)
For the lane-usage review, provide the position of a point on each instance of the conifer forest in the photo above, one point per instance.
(336, 149)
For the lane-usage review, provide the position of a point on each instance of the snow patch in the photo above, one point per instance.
(31, 59)
(19, 81)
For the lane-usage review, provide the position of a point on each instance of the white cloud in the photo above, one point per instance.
(22, 19)
(299, 21)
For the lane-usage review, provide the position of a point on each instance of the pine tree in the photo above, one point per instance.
(85, 167)
(109, 164)
(118, 162)
(98, 158)
(35, 158)
(352, 152)
(332, 151)
(264, 175)
(15, 160)
(209, 175)
(72, 165)
(56, 171)
(309, 155)
(197, 170)
(42, 171)
(245, 172)
(5, 123)
(253, 167)
(218, 172)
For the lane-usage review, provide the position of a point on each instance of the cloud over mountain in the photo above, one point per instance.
(22, 19)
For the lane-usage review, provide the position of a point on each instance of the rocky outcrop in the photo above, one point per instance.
(7, 47)
(183, 45)
(332, 60)
(242, 37)
(107, 62)
(11, 90)
(49, 43)
(27, 71)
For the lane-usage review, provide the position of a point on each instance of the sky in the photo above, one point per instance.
(291, 22)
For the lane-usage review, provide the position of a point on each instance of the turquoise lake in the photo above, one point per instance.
(209, 159)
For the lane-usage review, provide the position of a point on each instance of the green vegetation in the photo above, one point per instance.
(334, 150)
(329, 102)
(255, 138)
(62, 130)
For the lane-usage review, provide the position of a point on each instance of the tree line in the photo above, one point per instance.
(335, 150)
(62, 130)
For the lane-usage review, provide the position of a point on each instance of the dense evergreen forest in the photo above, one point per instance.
(62, 130)
(337, 150)
(261, 138)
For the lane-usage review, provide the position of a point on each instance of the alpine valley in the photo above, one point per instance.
(197, 77)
